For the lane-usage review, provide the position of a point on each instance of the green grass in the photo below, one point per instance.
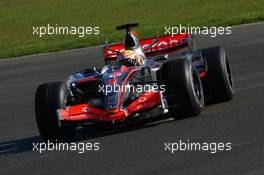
(18, 16)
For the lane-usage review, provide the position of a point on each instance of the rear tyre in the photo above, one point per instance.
(218, 82)
(48, 98)
(184, 91)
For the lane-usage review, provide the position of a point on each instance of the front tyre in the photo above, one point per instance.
(184, 91)
(48, 98)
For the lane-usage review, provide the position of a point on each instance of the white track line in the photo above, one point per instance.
(249, 24)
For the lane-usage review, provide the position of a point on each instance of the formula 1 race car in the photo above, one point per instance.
(141, 79)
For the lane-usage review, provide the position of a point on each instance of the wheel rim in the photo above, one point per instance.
(197, 88)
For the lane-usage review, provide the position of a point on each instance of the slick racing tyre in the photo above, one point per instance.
(48, 98)
(218, 81)
(183, 86)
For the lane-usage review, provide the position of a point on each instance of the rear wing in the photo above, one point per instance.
(166, 44)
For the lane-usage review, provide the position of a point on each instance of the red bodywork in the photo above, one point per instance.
(166, 44)
(84, 112)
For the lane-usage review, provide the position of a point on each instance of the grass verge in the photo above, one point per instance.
(17, 17)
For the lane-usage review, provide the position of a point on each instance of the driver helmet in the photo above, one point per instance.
(132, 57)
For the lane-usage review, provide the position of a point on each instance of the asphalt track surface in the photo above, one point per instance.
(139, 150)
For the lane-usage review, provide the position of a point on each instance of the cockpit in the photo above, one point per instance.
(130, 42)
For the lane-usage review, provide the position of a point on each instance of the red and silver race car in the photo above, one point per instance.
(141, 79)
